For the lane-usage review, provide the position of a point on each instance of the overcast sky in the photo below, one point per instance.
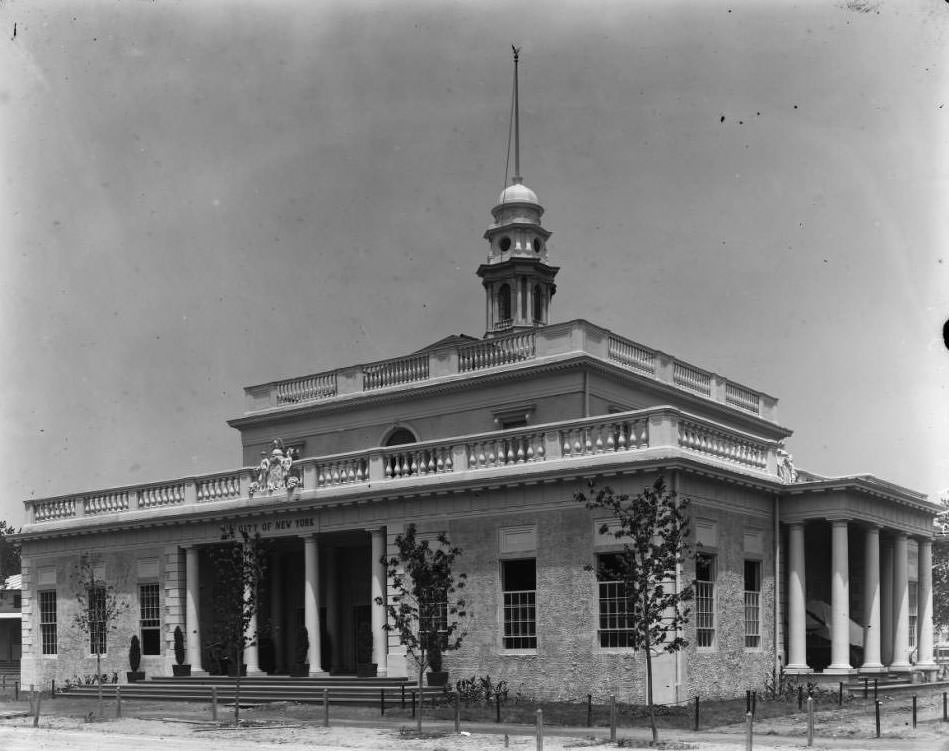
(201, 196)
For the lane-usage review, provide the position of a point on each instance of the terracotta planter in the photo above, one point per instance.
(138, 675)
(181, 670)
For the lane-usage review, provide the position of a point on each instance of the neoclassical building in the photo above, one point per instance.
(488, 439)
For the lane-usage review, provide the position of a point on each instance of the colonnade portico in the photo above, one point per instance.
(885, 589)
(318, 591)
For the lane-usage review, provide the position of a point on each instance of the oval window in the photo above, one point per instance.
(537, 245)
(505, 244)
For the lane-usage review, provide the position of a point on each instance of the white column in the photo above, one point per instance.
(251, 640)
(797, 641)
(886, 601)
(871, 644)
(378, 590)
(311, 602)
(193, 609)
(900, 605)
(925, 660)
(839, 601)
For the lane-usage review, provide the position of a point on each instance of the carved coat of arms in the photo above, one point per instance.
(275, 471)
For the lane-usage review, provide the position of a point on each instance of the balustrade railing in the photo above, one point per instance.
(692, 378)
(105, 503)
(743, 398)
(631, 355)
(395, 372)
(502, 350)
(722, 444)
(604, 435)
(161, 495)
(306, 389)
(219, 488)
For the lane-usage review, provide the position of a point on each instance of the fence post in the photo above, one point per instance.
(612, 718)
(748, 701)
(840, 694)
(214, 703)
(497, 707)
(382, 702)
(118, 701)
(748, 731)
(914, 710)
(810, 721)
(696, 713)
(800, 698)
(878, 717)
(876, 685)
(754, 705)
(945, 708)
(52, 688)
(540, 730)
(326, 707)
(457, 712)
(36, 709)
(589, 710)
(16, 690)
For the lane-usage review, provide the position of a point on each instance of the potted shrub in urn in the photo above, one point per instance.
(135, 659)
(179, 668)
(436, 676)
(301, 667)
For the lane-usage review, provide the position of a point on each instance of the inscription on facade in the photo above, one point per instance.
(278, 525)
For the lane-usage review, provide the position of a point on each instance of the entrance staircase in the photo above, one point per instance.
(892, 684)
(266, 688)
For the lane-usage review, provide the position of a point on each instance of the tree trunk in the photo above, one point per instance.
(652, 709)
(99, 682)
(421, 696)
(237, 685)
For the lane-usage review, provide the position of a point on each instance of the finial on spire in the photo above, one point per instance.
(516, 179)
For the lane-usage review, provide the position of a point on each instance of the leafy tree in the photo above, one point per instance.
(99, 609)
(941, 567)
(240, 562)
(9, 553)
(653, 528)
(425, 609)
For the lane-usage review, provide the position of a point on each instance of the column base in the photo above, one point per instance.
(255, 671)
(926, 666)
(873, 667)
(318, 674)
(797, 670)
(899, 667)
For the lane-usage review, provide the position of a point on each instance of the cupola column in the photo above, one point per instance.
(871, 652)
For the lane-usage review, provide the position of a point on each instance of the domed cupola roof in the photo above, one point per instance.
(518, 193)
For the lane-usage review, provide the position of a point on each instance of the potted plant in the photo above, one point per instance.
(301, 666)
(365, 667)
(436, 676)
(179, 668)
(135, 659)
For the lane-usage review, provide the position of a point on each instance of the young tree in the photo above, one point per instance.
(425, 609)
(240, 562)
(99, 609)
(941, 567)
(653, 529)
(9, 553)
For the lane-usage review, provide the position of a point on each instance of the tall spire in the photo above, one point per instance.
(517, 123)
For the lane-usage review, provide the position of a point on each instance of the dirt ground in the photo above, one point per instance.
(147, 726)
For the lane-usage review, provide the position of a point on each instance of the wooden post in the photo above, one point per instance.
(810, 721)
(914, 710)
(326, 707)
(878, 717)
(800, 698)
(36, 710)
(945, 708)
(457, 712)
(589, 710)
(382, 702)
(497, 707)
(840, 694)
(696, 725)
(214, 703)
(612, 718)
(748, 702)
(540, 730)
(748, 731)
(754, 705)
(118, 701)
(876, 685)
(16, 690)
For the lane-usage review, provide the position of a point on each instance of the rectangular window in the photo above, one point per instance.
(150, 619)
(519, 584)
(913, 612)
(616, 624)
(705, 600)
(752, 604)
(48, 621)
(97, 624)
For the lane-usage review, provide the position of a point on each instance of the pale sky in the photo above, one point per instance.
(201, 196)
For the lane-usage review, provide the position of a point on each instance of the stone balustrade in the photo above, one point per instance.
(666, 428)
(554, 341)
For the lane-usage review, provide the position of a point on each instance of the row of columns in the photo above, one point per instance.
(311, 609)
(887, 602)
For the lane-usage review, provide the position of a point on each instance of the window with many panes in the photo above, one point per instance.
(150, 619)
(97, 624)
(705, 600)
(752, 604)
(913, 612)
(48, 621)
(616, 623)
(519, 586)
